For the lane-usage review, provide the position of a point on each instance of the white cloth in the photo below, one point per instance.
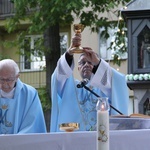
(7, 95)
(119, 140)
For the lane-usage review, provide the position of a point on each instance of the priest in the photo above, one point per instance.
(78, 105)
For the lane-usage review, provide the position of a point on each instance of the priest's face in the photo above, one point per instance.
(85, 67)
(8, 79)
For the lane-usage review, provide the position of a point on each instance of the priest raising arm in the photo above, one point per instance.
(72, 104)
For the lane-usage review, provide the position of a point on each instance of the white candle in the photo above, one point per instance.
(102, 128)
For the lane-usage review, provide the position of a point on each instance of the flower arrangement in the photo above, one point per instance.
(135, 77)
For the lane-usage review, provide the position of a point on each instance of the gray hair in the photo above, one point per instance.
(11, 63)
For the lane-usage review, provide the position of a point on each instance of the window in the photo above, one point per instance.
(32, 58)
(63, 42)
(104, 44)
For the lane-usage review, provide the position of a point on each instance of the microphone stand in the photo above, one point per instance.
(87, 88)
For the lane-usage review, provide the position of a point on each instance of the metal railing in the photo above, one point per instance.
(6, 8)
(34, 77)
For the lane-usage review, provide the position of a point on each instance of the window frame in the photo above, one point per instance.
(33, 37)
(32, 57)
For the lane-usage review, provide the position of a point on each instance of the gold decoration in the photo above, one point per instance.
(4, 106)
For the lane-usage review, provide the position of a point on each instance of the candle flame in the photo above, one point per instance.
(102, 107)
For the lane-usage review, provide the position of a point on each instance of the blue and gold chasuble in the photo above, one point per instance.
(23, 113)
(79, 106)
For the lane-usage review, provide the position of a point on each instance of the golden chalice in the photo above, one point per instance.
(69, 127)
(78, 28)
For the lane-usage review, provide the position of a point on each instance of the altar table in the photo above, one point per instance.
(119, 140)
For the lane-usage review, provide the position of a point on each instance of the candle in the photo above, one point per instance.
(103, 124)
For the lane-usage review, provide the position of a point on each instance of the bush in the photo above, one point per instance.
(44, 97)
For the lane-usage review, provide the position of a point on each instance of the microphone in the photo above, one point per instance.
(82, 83)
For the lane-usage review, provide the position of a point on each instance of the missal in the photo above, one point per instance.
(130, 116)
(131, 122)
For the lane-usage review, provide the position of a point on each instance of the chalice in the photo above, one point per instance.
(69, 127)
(78, 28)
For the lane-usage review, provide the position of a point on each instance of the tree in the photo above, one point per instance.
(46, 17)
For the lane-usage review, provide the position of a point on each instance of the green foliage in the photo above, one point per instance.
(3, 57)
(45, 13)
(119, 44)
(44, 97)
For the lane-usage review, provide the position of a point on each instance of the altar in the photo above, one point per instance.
(119, 140)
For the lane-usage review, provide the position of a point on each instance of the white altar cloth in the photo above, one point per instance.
(119, 140)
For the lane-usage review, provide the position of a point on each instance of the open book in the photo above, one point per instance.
(131, 116)
(139, 116)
